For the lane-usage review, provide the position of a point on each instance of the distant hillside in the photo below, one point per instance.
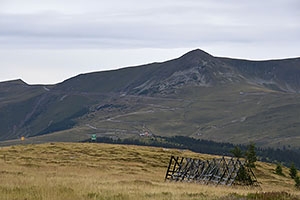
(196, 95)
(281, 75)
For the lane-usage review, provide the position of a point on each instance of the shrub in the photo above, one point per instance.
(297, 181)
(251, 156)
(293, 171)
(237, 152)
(278, 170)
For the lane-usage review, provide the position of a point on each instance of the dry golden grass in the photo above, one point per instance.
(71, 171)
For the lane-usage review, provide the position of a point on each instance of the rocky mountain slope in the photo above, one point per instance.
(196, 95)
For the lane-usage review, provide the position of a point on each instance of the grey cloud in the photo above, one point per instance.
(74, 35)
(162, 24)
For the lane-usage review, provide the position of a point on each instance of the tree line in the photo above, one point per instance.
(285, 157)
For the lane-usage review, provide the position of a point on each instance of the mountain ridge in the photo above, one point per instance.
(196, 95)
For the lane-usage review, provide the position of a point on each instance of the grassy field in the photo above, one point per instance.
(71, 171)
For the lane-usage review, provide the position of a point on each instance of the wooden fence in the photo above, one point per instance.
(221, 171)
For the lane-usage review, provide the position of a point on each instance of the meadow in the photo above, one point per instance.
(77, 171)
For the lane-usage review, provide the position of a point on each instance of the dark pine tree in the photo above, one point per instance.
(251, 156)
(278, 169)
(293, 171)
(237, 152)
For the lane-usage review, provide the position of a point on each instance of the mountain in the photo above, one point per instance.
(196, 68)
(197, 95)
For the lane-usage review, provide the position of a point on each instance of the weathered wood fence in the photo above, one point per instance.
(222, 171)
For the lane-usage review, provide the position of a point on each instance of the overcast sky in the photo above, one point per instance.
(47, 41)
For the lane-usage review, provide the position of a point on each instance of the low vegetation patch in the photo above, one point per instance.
(261, 196)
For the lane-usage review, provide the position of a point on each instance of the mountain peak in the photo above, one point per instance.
(14, 82)
(196, 53)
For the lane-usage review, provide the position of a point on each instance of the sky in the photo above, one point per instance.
(48, 41)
